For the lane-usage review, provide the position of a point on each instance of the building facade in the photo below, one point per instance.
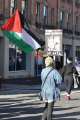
(40, 15)
(65, 15)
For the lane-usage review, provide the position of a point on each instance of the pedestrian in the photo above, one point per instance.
(58, 65)
(67, 72)
(50, 91)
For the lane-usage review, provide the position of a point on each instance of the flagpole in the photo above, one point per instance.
(16, 58)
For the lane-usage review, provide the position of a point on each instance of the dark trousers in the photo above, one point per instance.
(68, 80)
(48, 109)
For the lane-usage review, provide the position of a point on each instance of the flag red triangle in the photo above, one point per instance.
(13, 24)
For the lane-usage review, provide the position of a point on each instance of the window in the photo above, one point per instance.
(13, 6)
(38, 12)
(23, 6)
(26, 8)
(62, 18)
(38, 9)
(45, 14)
(63, 0)
(67, 19)
(45, 10)
(77, 2)
(52, 16)
(17, 58)
(61, 15)
(69, 1)
(76, 25)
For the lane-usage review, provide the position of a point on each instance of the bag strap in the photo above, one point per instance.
(46, 77)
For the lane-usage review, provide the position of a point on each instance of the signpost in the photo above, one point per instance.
(53, 41)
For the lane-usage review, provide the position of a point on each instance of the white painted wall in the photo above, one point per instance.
(15, 74)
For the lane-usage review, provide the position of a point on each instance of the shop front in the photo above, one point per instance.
(14, 63)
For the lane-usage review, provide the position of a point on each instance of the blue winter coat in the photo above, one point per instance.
(50, 90)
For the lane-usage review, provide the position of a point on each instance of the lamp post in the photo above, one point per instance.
(73, 37)
(73, 31)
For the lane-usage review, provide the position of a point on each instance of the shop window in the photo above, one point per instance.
(17, 58)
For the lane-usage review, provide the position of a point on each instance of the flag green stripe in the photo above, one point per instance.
(15, 39)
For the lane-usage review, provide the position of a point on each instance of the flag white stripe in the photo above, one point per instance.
(28, 39)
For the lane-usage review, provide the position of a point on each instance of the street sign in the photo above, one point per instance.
(53, 41)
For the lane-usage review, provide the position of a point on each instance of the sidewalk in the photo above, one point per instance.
(8, 86)
(29, 81)
(20, 87)
(14, 88)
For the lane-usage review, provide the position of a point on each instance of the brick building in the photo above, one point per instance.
(60, 14)
(41, 15)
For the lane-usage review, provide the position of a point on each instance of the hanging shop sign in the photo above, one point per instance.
(53, 41)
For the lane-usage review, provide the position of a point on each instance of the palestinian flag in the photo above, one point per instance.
(15, 32)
